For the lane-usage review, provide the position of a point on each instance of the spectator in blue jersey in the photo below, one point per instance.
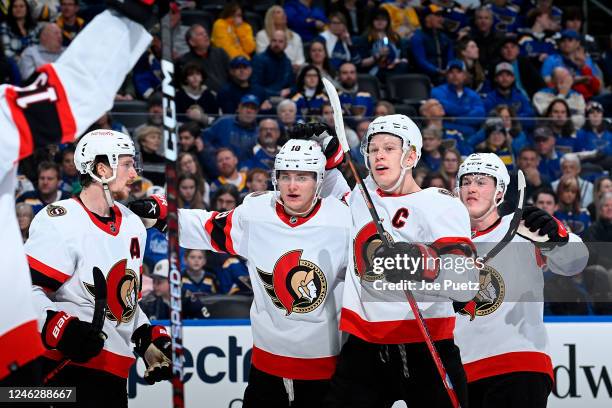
(596, 135)
(456, 18)
(571, 166)
(431, 47)
(498, 141)
(198, 280)
(562, 126)
(272, 68)
(380, 48)
(431, 156)
(462, 104)
(47, 190)
(549, 165)
(305, 19)
(569, 42)
(505, 92)
(267, 146)
(354, 102)
(240, 84)
(569, 210)
(505, 16)
(309, 97)
(146, 74)
(234, 277)
(194, 92)
(258, 179)
(238, 132)
(536, 43)
(561, 89)
(69, 174)
(338, 42)
(227, 166)
(433, 114)
(573, 19)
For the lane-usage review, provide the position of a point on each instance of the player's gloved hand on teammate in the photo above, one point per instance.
(542, 228)
(416, 262)
(326, 136)
(75, 338)
(152, 211)
(154, 345)
(145, 12)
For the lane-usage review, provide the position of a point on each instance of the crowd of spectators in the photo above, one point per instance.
(521, 79)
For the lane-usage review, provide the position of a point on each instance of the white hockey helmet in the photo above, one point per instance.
(102, 142)
(301, 155)
(398, 125)
(489, 164)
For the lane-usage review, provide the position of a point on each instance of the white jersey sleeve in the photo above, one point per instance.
(334, 185)
(569, 259)
(450, 231)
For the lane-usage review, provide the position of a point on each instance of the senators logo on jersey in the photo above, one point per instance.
(295, 284)
(364, 245)
(490, 295)
(122, 292)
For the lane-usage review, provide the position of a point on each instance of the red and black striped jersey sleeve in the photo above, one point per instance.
(219, 232)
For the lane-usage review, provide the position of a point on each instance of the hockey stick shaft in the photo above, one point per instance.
(171, 152)
(339, 126)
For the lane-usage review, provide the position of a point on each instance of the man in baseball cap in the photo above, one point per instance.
(506, 93)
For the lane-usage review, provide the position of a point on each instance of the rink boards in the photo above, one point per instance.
(218, 355)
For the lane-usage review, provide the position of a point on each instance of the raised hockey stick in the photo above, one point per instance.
(514, 223)
(97, 321)
(340, 132)
(170, 153)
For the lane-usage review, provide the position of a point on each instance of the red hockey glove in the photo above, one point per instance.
(542, 228)
(73, 337)
(152, 211)
(154, 345)
(145, 12)
(413, 262)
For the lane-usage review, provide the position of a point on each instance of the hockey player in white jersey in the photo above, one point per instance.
(501, 333)
(385, 358)
(61, 103)
(68, 240)
(295, 243)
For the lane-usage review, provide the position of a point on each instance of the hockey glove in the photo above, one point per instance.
(542, 228)
(326, 136)
(413, 262)
(152, 211)
(76, 339)
(145, 12)
(154, 345)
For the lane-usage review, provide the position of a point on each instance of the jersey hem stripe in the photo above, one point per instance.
(47, 270)
(19, 346)
(395, 331)
(531, 361)
(296, 368)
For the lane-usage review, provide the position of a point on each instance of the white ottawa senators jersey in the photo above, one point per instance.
(66, 242)
(297, 268)
(502, 330)
(66, 98)
(432, 216)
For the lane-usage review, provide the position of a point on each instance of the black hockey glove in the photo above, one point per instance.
(324, 134)
(145, 12)
(154, 345)
(152, 211)
(542, 228)
(76, 339)
(413, 262)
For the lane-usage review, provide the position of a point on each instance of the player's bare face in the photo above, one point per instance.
(126, 174)
(297, 190)
(384, 155)
(477, 192)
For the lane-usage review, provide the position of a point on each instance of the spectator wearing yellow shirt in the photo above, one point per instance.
(231, 33)
(404, 19)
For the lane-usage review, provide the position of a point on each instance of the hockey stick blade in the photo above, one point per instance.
(514, 223)
(334, 101)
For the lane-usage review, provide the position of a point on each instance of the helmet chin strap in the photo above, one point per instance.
(401, 177)
(492, 207)
(108, 196)
(296, 213)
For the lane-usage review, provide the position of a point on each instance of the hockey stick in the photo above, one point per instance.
(514, 223)
(340, 132)
(97, 321)
(170, 153)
